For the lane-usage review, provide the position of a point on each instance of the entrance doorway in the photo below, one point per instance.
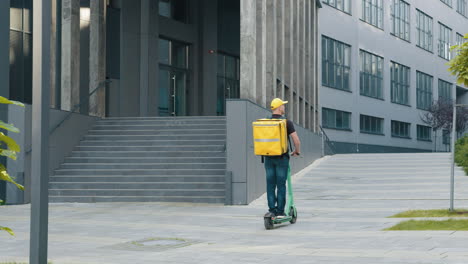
(228, 80)
(173, 78)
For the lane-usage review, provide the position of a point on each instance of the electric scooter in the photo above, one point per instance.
(290, 210)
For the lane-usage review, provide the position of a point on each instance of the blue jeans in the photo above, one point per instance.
(276, 176)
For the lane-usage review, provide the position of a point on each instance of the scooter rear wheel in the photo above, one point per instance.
(293, 214)
(268, 223)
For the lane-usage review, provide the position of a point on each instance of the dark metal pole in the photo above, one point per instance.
(40, 134)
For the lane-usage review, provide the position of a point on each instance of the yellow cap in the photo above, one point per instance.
(277, 103)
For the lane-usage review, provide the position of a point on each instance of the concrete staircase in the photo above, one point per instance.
(159, 159)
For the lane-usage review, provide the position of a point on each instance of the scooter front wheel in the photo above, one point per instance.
(268, 223)
(293, 213)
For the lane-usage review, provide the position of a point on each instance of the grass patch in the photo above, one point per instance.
(432, 213)
(422, 225)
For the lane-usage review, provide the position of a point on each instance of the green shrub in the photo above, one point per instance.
(461, 153)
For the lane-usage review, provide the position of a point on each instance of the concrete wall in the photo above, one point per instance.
(248, 173)
(66, 132)
(351, 30)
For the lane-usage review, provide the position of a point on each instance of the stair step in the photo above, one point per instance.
(158, 132)
(122, 172)
(138, 178)
(212, 148)
(202, 122)
(101, 199)
(148, 154)
(158, 126)
(118, 138)
(139, 185)
(145, 160)
(151, 142)
(136, 192)
(127, 166)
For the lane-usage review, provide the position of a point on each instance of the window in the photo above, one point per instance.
(336, 61)
(424, 133)
(460, 39)
(343, 5)
(423, 90)
(21, 36)
(445, 39)
(336, 119)
(446, 137)
(174, 9)
(371, 125)
(228, 80)
(371, 75)
(447, 2)
(424, 28)
(445, 90)
(372, 12)
(401, 129)
(400, 83)
(173, 53)
(461, 7)
(401, 19)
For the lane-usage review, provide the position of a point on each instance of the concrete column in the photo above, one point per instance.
(53, 54)
(97, 58)
(248, 49)
(271, 53)
(308, 68)
(316, 62)
(261, 52)
(144, 56)
(303, 61)
(153, 63)
(5, 48)
(209, 60)
(280, 47)
(70, 54)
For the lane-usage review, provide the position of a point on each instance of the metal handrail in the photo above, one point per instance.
(76, 107)
(327, 140)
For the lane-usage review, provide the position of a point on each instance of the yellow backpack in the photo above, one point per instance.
(270, 137)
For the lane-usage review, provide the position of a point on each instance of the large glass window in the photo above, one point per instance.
(401, 129)
(21, 51)
(460, 39)
(228, 80)
(424, 133)
(447, 2)
(173, 53)
(174, 9)
(445, 40)
(336, 64)
(423, 90)
(372, 125)
(445, 90)
(424, 28)
(336, 119)
(372, 12)
(400, 83)
(461, 7)
(401, 19)
(343, 5)
(371, 75)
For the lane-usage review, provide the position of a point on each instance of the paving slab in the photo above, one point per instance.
(341, 218)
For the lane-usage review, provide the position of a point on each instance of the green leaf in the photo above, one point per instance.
(9, 127)
(3, 100)
(8, 230)
(8, 153)
(10, 142)
(6, 177)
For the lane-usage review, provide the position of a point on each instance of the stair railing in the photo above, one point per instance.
(326, 142)
(76, 107)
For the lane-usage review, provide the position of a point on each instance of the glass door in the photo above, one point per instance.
(228, 80)
(172, 91)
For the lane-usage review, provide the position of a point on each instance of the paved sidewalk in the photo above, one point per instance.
(343, 202)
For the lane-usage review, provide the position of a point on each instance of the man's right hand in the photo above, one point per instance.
(295, 153)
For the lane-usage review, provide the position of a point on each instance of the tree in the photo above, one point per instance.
(440, 116)
(8, 148)
(458, 66)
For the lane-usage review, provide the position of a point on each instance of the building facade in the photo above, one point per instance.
(383, 63)
(157, 58)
